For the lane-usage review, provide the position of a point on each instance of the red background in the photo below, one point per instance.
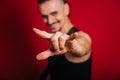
(19, 44)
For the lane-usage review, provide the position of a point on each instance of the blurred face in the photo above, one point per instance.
(54, 14)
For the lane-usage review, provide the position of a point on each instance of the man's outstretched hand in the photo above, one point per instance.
(60, 43)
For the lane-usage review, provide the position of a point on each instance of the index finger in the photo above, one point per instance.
(42, 34)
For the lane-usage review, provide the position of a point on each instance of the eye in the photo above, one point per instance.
(44, 16)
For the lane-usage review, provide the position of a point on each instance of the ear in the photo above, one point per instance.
(66, 9)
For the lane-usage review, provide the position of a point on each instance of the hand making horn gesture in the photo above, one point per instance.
(60, 43)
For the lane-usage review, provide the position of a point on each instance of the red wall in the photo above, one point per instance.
(19, 44)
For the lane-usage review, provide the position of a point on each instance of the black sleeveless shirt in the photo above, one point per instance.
(61, 69)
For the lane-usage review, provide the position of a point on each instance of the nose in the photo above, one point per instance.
(50, 20)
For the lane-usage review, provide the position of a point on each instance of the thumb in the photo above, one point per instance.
(44, 55)
(73, 36)
(42, 34)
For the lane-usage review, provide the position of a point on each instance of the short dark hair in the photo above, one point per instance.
(42, 1)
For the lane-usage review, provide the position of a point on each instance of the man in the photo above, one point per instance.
(69, 56)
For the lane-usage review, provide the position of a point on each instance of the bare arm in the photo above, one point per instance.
(78, 44)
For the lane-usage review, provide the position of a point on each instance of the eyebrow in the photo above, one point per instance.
(52, 13)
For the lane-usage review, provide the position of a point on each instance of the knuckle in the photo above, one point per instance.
(61, 47)
(61, 38)
(64, 51)
(56, 49)
(58, 32)
(53, 39)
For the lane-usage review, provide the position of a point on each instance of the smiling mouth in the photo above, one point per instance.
(54, 25)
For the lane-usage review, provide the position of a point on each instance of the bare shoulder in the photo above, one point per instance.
(85, 35)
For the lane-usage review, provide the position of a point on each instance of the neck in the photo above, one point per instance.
(68, 25)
